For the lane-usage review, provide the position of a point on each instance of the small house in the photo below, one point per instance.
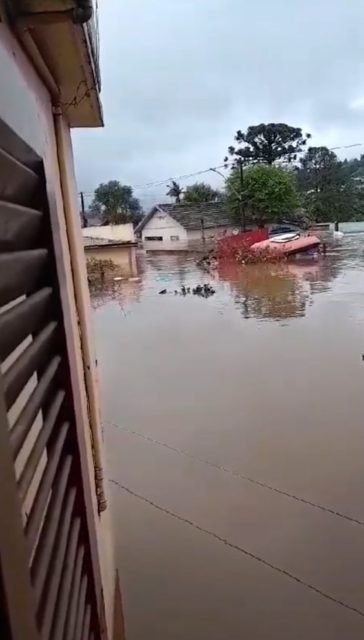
(115, 243)
(182, 226)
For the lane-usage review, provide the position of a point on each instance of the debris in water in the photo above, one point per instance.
(202, 290)
(208, 262)
(205, 291)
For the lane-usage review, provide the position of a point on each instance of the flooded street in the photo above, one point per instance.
(234, 435)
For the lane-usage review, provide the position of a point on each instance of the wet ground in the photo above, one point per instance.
(234, 433)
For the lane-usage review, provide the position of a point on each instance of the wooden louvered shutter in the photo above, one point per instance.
(48, 585)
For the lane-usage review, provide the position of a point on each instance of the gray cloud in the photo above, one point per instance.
(179, 77)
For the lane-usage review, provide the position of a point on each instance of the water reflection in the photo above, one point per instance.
(122, 293)
(121, 284)
(266, 291)
(277, 292)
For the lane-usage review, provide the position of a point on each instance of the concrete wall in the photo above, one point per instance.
(25, 106)
(117, 232)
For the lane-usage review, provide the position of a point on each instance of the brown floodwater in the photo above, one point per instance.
(235, 442)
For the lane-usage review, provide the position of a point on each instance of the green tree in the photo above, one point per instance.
(174, 191)
(200, 192)
(115, 203)
(319, 169)
(269, 194)
(353, 171)
(354, 167)
(331, 190)
(268, 143)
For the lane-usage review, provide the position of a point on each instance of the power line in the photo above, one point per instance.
(160, 183)
(347, 146)
(237, 547)
(225, 165)
(183, 177)
(237, 475)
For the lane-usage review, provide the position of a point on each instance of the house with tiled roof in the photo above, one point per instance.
(169, 226)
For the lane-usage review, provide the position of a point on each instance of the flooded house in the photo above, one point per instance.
(170, 227)
(58, 576)
(115, 243)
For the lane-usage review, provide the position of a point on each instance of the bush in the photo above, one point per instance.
(97, 269)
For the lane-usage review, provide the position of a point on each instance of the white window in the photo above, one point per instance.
(173, 238)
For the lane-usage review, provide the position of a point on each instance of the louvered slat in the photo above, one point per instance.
(20, 227)
(57, 534)
(23, 319)
(49, 530)
(35, 455)
(86, 624)
(23, 424)
(72, 600)
(64, 589)
(35, 517)
(30, 360)
(18, 182)
(74, 596)
(20, 273)
(56, 565)
(81, 609)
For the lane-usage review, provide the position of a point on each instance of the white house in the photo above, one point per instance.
(180, 226)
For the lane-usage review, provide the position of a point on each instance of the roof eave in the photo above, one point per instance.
(139, 228)
(68, 48)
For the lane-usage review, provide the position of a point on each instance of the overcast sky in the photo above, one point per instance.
(179, 77)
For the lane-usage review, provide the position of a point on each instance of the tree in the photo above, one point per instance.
(354, 168)
(319, 169)
(200, 192)
(268, 143)
(115, 203)
(269, 194)
(174, 191)
(330, 191)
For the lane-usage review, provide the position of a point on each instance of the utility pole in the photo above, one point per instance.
(241, 199)
(83, 212)
(203, 231)
(239, 194)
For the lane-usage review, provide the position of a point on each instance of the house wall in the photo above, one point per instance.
(124, 258)
(212, 233)
(25, 106)
(164, 226)
(117, 232)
